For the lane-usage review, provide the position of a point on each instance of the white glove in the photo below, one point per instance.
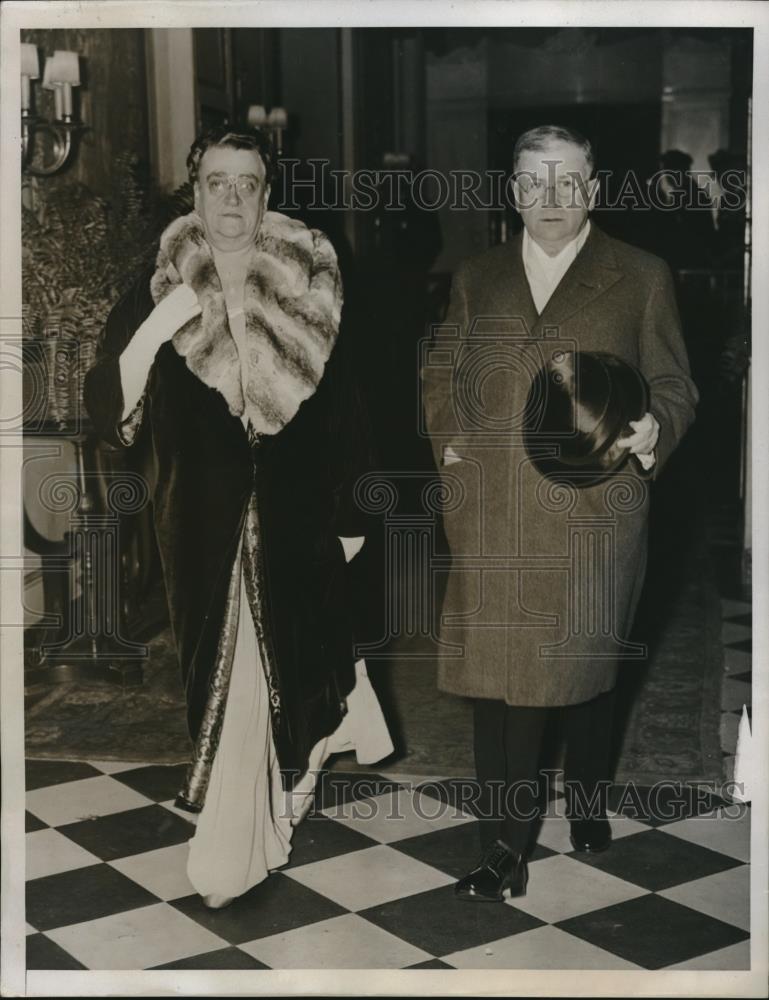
(170, 315)
(166, 318)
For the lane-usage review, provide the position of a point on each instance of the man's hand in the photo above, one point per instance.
(171, 313)
(643, 442)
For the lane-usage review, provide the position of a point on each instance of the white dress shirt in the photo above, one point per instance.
(544, 272)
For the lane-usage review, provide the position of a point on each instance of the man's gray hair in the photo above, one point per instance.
(537, 139)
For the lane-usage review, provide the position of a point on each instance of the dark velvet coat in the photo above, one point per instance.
(545, 580)
(204, 473)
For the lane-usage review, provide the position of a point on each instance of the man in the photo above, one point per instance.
(545, 632)
(223, 365)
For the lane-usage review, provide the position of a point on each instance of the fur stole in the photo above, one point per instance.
(292, 305)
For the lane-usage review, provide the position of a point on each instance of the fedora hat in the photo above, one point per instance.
(579, 404)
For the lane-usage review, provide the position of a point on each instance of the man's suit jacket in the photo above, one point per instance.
(545, 579)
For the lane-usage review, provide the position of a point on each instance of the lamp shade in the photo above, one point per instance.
(30, 64)
(257, 115)
(61, 67)
(278, 118)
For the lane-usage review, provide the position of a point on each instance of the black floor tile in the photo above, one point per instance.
(538, 852)
(743, 646)
(463, 793)
(454, 850)
(439, 923)
(746, 675)
(224, 958)
(83, 894)
(157, 781)
(276, 905)
(652, 932)
(459, 793)
(41, 773)
(657, 860)
(337, 787)
(657, 805)
(42, 953)
(317, 837)
(32, 823)
(132, 831)
(433, 963)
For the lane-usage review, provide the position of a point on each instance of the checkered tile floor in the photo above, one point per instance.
(370, 879)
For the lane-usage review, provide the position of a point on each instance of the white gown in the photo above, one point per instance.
(244, 830)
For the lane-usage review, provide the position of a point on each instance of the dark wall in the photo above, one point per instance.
(112, 97)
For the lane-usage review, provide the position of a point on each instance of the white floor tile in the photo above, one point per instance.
(347, 942)
(725, 896)
(554, 832)
(162, 872)
(541, 948)
(136, 939)
(116, 766)
(624, 826)
(49, 852)
(735, 694)
(30, 929)
(732, 632)
(369, 877)
(556, 808)
(76, 800)
(395, 816)
(727, 831)
(184, 813)
(736, 956)
(561, 887)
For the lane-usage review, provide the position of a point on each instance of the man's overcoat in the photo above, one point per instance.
(544, 579)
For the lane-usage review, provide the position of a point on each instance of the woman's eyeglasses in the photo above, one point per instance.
(220, 185)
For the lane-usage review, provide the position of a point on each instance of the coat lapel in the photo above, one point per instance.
(594, 270)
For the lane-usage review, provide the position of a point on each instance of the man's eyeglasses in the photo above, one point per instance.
(566, 184)
(219, 185)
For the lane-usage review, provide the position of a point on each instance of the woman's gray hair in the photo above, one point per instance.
(224, 135)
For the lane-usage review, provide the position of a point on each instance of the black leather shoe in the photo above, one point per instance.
(499, 869)
(590, 836)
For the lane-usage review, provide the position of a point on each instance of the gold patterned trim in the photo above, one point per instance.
(193, 793)
(127, 429)
(256, 591)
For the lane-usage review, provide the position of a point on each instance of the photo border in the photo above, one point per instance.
(15, 15)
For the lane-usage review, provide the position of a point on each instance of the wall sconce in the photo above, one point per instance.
(61, 74)
(274, 123)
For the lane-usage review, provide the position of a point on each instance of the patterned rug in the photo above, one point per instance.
(103, 722)
(668, 707)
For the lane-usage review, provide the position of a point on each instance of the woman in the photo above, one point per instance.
(224, 364)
